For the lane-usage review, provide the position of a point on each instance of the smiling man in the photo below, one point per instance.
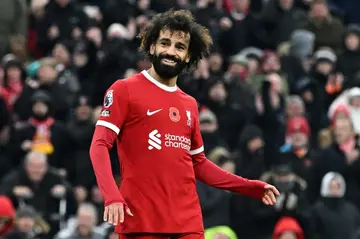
(156, 128)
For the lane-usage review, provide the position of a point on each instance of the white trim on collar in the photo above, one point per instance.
(157, 83)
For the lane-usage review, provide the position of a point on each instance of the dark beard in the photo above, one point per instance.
(166, 71)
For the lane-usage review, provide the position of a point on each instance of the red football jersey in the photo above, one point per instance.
(158, 132)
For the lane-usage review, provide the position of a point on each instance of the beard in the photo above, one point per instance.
(166, 71)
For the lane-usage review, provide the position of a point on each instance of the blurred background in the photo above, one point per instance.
(278, 95)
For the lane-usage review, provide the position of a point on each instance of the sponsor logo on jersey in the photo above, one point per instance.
(154, 140)
(105, 113)
(157, 141)
(109, 99)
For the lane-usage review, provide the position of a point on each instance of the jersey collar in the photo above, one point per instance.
(158, 84)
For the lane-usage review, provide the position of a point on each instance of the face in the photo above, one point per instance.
(355, 102)
(86, 222)
(299, 139)
(288, 235)
(334, 187)
(319, 11)
(241, 5)
(83, 112)
(25, 224)
(343, 130)
(293, 109)
(170, 53)
(218, 92)
(220, 235)
(143, 4)
(40, 108)
(272, 63)
(284, 182)
(276, 82)
(352, 42)
(63, 3)
(286, 4)
(61, 54)
(255, 144)
(96, 195)
(14, 73)
(36, 169)
(324, 67)
(307, 96)
(215, 62)
(236, 68)
(253, 65)
(47, 74)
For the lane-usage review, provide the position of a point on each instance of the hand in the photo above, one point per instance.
(352, 155)
(53, 32)
(58, 191)
(225, 23)
(26, 145)
(62, 172)
(270, 195)
(115, 212)
(141, 20)
(22, 191)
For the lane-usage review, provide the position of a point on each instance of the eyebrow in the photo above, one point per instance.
(167, 40)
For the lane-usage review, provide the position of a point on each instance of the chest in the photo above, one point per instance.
(162, 112)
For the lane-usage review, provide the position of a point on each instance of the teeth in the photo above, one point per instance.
(171, 61)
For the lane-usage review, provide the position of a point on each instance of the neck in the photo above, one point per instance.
(168, 82)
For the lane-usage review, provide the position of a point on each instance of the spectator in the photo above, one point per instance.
(328, 29)
(334, 216)
(84, 225)
(39, 186)
(13, 23)
(7, 215)
(41, 133)
(288, 228)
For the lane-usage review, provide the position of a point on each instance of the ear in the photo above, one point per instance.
(187, 59)
(152, 49)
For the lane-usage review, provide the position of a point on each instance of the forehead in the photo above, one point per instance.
(175, 36)
(342, 123)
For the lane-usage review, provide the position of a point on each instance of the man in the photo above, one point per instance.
(160, 144)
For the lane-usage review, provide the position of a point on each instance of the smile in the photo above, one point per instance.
(168, 62)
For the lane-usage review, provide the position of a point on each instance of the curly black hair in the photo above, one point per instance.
(177, 20)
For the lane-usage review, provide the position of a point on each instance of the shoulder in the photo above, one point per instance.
(135, 81)
(336, 22)
(188, 98)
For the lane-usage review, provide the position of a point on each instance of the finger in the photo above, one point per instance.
(267, 198)
(116, 217)
(265, 201)
(111, 214)
(128, 212)
(106, 211)
(272, 196)
(121, 211)
(274, 190)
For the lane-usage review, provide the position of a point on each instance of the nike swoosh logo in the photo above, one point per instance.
(150, 113)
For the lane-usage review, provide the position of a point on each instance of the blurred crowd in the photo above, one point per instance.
(278, 95)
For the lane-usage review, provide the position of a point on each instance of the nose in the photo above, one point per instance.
(171, 50)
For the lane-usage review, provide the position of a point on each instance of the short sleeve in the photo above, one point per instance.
(115, 107)
(197, 145)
